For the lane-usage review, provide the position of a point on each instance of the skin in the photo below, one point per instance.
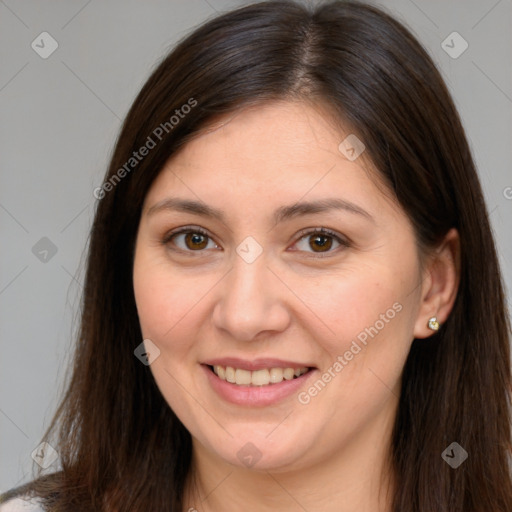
(331, 453)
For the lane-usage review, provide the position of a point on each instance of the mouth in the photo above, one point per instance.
(257, 383)
(257, 378)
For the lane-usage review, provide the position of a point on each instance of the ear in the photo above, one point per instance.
(440, 284)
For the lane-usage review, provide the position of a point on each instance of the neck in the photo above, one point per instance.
(356, 477)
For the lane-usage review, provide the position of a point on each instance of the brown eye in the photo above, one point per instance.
(196, 241)
(323, 242)
(320, 241)
(190, 240)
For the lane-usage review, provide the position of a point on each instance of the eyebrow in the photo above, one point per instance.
(282, 214)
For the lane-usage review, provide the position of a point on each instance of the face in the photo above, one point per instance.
(281, 286)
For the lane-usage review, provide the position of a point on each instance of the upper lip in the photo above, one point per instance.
(256, 364)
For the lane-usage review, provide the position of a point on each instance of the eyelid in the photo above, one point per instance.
(326, 231)
(183, 229)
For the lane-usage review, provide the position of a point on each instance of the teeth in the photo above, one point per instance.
(242, 377)
(257, 377)
(276, 375)
(288, 373)
(230, 374)
(219, 370)
(260, 378)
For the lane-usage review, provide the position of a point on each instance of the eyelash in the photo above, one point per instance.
(302, 234)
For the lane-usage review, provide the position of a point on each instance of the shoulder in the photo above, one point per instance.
(25, 498)
(22, 504)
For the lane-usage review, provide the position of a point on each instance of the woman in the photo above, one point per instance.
(292, 299)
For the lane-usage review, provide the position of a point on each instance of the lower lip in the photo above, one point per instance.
(255, 396)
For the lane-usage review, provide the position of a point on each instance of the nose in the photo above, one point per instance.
(251, 301)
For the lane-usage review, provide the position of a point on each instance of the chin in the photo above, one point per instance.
(263, 452)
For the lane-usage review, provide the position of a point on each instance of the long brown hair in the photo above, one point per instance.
(119, 441)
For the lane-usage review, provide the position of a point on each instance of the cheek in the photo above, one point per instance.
(172, 305)
(163, 299)
(367, 317)
(154, 299)
(349, 303)
(166, 308)
(163, 296)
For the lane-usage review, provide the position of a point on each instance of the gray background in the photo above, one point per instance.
(59, 119)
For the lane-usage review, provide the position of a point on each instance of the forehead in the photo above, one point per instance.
(275, 153)
(271, 133)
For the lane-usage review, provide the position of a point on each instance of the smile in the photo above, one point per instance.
(262, 377)
(260, 384)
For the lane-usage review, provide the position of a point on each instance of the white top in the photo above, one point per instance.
(22, 505)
